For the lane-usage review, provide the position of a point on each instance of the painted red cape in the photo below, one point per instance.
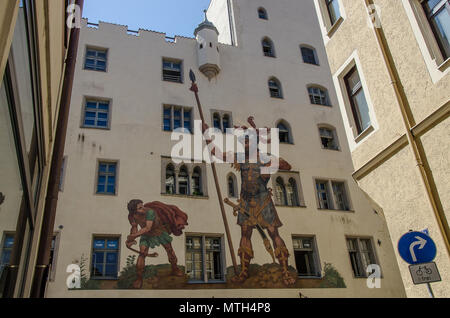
(171, 215)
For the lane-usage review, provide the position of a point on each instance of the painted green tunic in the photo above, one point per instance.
(152, 241)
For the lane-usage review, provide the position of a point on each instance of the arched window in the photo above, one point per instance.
(328, 138)
(197, 182)
(275, 88)
(170, 179)
(183, 181)
(226, 122)
(268, 47)
(309, 55)
(216, 121)
(280, 192)
(262, 14)
(318, 96)
(284, 132)
(232, 186)
(292, 193)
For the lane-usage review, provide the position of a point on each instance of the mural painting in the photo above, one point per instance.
(154, 224)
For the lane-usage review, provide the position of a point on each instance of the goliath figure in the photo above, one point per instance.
(256, 207)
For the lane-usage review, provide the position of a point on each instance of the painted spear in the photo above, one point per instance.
(194, 88)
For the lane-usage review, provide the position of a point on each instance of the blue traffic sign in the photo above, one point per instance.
(416, 248)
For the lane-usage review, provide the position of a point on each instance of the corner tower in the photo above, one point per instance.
(208, 52)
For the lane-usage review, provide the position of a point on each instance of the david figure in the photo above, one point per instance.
(154, 223)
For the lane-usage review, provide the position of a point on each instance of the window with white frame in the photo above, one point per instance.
(107, 178)
(96, 114)
(284, 132)
(175, 117)
(328, 138)
(332, 195)
(318, 96)
(172, 71)
(438, 16)
(358, 102)
(96, 59)
(362, 254)
(334, 12)
(306, 257)
(205, 258)
(105, 258)
(309, 55)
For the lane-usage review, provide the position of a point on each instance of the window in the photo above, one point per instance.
(323, 194)
(358, 101)
(340, 196)
(288, 189)
(438, 15)
(284, 132)
(268, 48)
(232, 186)
(333, 10)
(95, 59)
(172, 71)
(204, 259)
(328, 138)
(197, 182)
(170, 180)
(105, 258)
(306, 258)
(292, 193)
(63, 173)
(221, 120)
(280, 192)
(309, 55)
(275, 88)
(262, 14)
(106, 182)
(183, 181)
(361, 254)
(52, 262)
(175, 117)
(96, 114)
(318, 96)
(332, 195)
(7, 246)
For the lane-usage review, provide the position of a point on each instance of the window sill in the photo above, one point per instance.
(198, 282)
(291, 206)
(200, 197)
(99, 71)
(330, 106)
(333, 210)
(309, 277)
(364, 134)
(334, 27)
(172, 82)
(444, 65)
(331, 149)
(104, 278)
(97, 128)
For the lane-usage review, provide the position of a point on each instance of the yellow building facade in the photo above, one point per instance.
(390, 64)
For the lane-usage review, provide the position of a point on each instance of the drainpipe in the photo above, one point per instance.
(414, 143)
(51, 200)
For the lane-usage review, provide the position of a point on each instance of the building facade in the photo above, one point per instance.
(132, 89)
(390, 66)
(33, 45)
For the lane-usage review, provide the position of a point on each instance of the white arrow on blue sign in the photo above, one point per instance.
(416, 248)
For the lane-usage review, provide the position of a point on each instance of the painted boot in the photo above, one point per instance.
(282, 254)
(246, 255)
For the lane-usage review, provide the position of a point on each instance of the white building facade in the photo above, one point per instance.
(266, 59)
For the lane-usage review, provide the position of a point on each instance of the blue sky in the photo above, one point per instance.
(173, 17)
